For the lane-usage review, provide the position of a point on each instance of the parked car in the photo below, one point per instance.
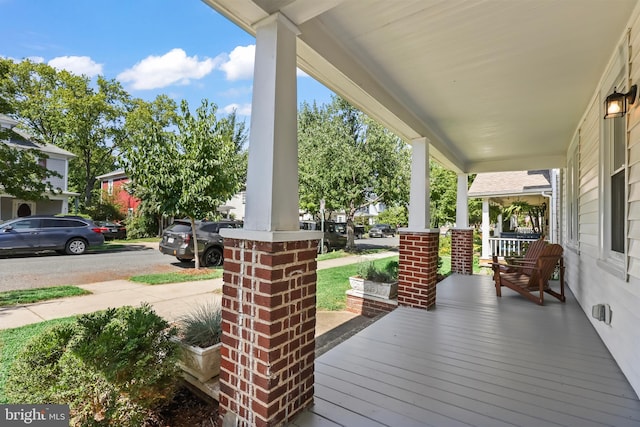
(177, 240)
(358, 230)
(333, 238)
(70, 235)
(112, 230)
(382, 230)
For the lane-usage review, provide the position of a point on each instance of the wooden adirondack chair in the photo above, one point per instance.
(529, 258)
(531, 279)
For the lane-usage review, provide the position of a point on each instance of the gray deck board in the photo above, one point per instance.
(476, 360)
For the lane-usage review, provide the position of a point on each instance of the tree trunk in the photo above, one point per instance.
(195, 242)
(351, 243)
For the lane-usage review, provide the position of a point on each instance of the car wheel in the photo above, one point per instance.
(325, 248)
(212, 258)
(75, 246)
(184, 259)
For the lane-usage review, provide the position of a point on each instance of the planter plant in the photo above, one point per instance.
(199, 337)
(372, 280)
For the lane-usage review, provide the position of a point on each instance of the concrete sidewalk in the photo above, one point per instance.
(170, 301)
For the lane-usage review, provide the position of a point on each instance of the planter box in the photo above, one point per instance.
(201, 363)
(371, 288)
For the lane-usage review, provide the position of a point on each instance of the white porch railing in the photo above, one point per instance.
(506, 246)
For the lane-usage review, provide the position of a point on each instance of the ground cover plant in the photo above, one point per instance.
(26, 296)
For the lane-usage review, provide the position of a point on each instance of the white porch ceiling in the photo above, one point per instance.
(494, 85)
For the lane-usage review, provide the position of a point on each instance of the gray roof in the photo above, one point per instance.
(21, 139)
(510, 183)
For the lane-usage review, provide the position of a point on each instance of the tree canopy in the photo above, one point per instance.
(185, 164)
(349, 161)
(66, 110)
(22, 174)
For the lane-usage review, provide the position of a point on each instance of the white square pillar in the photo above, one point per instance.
(272, 177)
(419, 215)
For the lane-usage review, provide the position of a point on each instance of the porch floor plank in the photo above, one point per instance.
(476, 360)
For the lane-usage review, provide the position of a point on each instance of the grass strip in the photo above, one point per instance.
(26, 296)
(12, 341)
(177, 277)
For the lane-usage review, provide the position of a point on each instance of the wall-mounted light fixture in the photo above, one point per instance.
(616, 104)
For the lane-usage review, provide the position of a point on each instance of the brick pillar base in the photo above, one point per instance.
(462, 251)
(269, 319)
(368, 305)
(418, 268)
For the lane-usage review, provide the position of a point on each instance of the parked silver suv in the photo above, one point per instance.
(65, 235)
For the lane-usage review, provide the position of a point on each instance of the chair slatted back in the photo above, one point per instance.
(533, 252)
(546, 264)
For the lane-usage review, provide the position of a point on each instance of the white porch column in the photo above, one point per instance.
(419, 215)
(486, 250)
(462, 205)
(272, 178)
(498, 232)
(268, 301)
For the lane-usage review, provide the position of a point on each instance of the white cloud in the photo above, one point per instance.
(241, 110)
(239, 64)
(174, 67)
(79, 65)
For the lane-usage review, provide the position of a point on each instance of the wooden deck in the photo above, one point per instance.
(475, 360)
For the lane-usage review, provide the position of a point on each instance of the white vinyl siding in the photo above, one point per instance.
(588, 182)
(59, 166)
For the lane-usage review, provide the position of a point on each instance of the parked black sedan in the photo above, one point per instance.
(112, 230)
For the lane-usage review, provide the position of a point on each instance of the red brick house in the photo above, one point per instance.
(112, 184)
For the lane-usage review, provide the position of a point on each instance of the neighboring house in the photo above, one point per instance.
(58, 161)
(538, 188)
(113, 184)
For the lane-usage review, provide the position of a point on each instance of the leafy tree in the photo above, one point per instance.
(193, 169)
(63, 109)
(394, 215)
(150, 127)
(443, 195)
(23, 176)
(349, 160)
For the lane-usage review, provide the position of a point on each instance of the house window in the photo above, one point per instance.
(617, 140)
(110, 187)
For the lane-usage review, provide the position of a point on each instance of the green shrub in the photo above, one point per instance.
(202, 327)
(445, 245)
(112, 367)
(141, 225)
(369, 271)
(131, 347)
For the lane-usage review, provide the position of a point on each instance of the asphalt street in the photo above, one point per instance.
(51, 269)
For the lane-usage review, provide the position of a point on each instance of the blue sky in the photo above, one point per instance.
(182, 48)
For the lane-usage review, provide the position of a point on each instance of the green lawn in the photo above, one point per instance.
(178, 277)
(334, 282)
(26, 296)
(12, 340)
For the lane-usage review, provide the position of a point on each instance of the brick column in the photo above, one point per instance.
(269, 319)
(462, 251)
(418, 268)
